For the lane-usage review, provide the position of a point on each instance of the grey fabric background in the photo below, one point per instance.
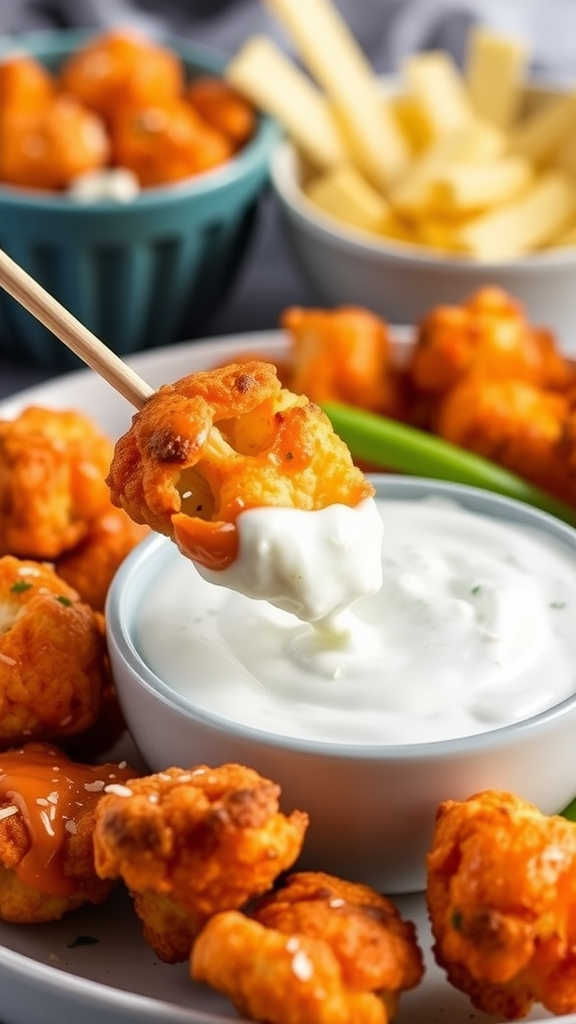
(387, 30)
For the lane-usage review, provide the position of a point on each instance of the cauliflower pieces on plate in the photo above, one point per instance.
(47, 806)
(53, 466)
(501, 888)
(318, 950)
(191, 843)
(53, 661)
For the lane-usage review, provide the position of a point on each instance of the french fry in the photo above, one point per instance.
(538, 216)
(564, 239)
(411, 120)
(438, 233)
(471, 188)
(332, 56)
(565, 159)
(541, 134)
(494, 73)
(477, 143)
(262, 73)
(444, 160)
(345, 194)
(435, 82)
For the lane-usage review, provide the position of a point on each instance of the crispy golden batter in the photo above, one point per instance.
(319, 950)
(50, 145)
(166, 141)
(487, 334)
(220, 441)
(120, 69)
(25, 84)
(53, 663)
(516, 424)
(222, 107)
(53, 466)
(191, 843)
(99, 738)
(501, 893)
(47, 806)
(343, 355)
(90, 566)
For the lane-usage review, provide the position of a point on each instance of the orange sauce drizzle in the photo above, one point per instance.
(50, 791)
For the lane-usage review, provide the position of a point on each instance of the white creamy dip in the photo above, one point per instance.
(471, 629)
(312, 564)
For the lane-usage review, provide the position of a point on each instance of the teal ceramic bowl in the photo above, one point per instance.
(139, 274)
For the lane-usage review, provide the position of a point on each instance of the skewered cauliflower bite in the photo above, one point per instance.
(223, 441)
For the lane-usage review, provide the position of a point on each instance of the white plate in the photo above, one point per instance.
(44, 975)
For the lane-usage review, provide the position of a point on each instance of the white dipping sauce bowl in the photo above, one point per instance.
(372, 807)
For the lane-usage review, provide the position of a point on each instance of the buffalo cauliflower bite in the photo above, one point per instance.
(319, 950)
(90, 566)
(121, 69)
(101, 737)
(53, 662)
(53, 466)
(191, 843)
(487, 334)
(221, 441)
(47, 805)
(517, 425)
(343, 355)
(222, 107)
(501, 892)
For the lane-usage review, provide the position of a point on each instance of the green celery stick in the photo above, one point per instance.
(570, 811)
(392, 445)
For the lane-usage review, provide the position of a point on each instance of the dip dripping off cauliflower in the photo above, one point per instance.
(222, 441)
(501, 894)
(318, 950)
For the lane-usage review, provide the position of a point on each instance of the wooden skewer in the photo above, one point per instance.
(22, 287)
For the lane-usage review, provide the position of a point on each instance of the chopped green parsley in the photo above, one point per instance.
(20, 586)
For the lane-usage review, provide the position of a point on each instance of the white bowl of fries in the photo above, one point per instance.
(402, 194)
(401, 281)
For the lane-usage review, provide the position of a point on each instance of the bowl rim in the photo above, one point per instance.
(255, 155)
(477, 499)
(356, 241)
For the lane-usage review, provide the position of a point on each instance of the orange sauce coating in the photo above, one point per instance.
(51, 792)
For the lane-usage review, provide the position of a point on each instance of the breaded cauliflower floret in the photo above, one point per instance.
(517, 425)
(487, 334)
(53, 466)
(191, 843)
(319, 950)
(53, 663)
(219, 442)
(501, 893)
(90, 566)
(47, 806)
(121, 68)
(343, 355)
